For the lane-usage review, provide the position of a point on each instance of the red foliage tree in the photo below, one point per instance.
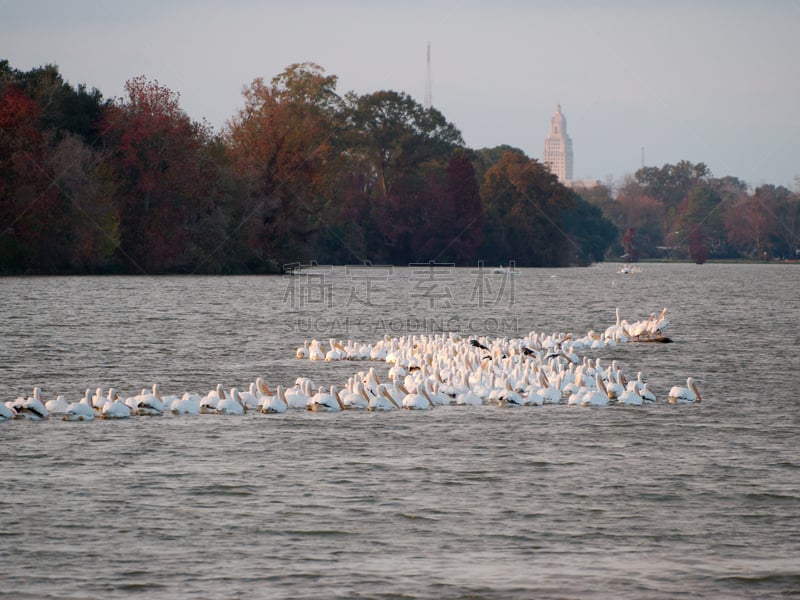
(30, 212)
(160, 157)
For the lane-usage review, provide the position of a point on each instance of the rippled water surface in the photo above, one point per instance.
(548, 502)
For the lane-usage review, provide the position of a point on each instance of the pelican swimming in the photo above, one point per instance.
(685, 395)
(298, 395)
(209, 402)
(381, 401)
(252, 398)
(58, 406)
(646, 394)
(352, 396)
(79, 411)
(275, 403)
(324, 401)
(336, 352)
(596, 396)
(302, 351)
(315, 351)
(188, 404)
(114, 408)
(467, 396)
(147, 403)
(32, 408)
(629, 398)
(231, 404)
(7, 412)
(417, 401)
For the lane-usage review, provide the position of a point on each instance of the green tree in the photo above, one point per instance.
(396, 137)
(588, 232)
(702, 209)
(523, 205)
(671, 184)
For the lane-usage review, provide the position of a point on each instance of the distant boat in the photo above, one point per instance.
(501, 270)
(627, 269)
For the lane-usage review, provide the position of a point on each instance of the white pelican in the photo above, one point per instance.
(420, 401)
(382, 400)
(79, 411)
(99, 399)
(188, 404)
(251, 399)
(630, 398)
(616, 385)
(208, 403)
(323, 401)
(598, 395)
(147, 403)
(114, 408)
(397, 372)
(467, 396)
(230, 404)
(657, 325)
(337, 351)
(685, 395)
(58, 406)
(275, 403)
(32, 409)
(507, 397)
(397, 391)
(646, 394)
(548, 393)
(297, 396)
(352, 397)
(315, 352)
(436, 395)
(638, 330)
(7, 412)
(302, 351)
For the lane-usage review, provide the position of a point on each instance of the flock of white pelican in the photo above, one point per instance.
(426, 371)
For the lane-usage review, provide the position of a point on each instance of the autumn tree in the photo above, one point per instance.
(61, 122)
(25, 199)
(485, 158)
(283, 143)
(164, 176)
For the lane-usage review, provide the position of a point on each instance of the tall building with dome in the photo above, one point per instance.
(558, 148)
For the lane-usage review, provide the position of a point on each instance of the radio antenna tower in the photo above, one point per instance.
(428, 102)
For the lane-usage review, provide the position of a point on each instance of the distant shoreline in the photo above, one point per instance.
(718, 261)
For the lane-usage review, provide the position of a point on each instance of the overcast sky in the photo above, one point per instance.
(715, 81)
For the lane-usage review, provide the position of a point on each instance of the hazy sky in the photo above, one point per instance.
(710, 81)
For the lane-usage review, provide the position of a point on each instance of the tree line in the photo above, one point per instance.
(682, 211)
(299, 173)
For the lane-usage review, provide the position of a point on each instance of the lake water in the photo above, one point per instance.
(548, 502)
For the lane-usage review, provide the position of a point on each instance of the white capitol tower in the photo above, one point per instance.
(558, 148)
